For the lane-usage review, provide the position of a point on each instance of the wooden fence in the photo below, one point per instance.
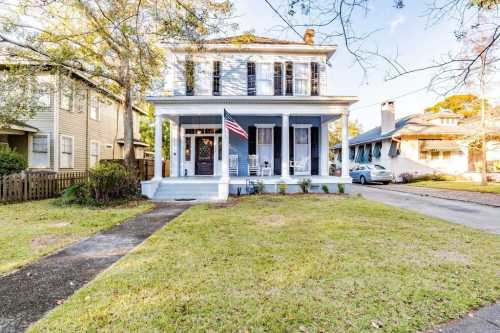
(37, 185)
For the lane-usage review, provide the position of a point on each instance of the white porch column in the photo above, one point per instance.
(345, 144)
(225, 152)
(325, 150)
(285, 149)
(174, 147)
(158, 147)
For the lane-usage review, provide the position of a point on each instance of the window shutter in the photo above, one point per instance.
(314, 150)
(290, 148)
(277, 150)
(252, 140)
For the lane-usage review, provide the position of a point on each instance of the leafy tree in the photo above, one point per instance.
(468, 105)
(20, 93)
(335, 133)
(115, 42)
(148, 132)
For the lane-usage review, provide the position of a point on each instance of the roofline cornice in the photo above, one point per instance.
(332, 100)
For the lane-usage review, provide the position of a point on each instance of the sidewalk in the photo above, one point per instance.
(484, 320)
(27, 294)
(490, 199)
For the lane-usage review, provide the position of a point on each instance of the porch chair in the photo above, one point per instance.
(299, 164)
(233, 165)
(253, 166)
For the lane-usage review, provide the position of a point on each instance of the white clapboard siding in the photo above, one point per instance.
(180, 78)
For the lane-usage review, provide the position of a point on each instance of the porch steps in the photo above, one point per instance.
(169, 191)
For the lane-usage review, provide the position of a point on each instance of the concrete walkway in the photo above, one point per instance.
(473, 215)
(27, 294)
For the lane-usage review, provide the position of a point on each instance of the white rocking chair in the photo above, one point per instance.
(233, 165)
(253, 166)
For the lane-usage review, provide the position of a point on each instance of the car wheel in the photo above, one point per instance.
(362, 180)
(386, 183)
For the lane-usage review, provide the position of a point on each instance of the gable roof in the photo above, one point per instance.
(415, 124)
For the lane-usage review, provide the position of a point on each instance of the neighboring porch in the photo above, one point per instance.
(209, 162)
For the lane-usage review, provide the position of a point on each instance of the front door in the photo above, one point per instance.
(204, 164)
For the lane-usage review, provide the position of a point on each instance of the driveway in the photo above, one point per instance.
(473, 215)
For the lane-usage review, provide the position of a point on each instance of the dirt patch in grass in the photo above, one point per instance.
(452, 256)
(273, 220)
(40, 242)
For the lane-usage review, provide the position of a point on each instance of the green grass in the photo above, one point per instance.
(31, 230)
(460, 186)
(318, 263)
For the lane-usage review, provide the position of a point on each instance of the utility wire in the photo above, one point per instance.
(392, 98)
(284, 20)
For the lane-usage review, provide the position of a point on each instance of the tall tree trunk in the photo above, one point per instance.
(484, 163)
(128, 122)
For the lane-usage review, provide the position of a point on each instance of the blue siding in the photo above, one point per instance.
(238, 145)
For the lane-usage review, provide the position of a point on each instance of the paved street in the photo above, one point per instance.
(472, 215)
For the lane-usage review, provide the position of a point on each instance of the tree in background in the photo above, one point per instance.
(115, 42)
(147, 130)
(467, 105)
(21, 93)
(335, 133)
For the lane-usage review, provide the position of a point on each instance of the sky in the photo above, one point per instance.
(404, 31)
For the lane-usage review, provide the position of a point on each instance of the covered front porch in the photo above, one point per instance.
(286, 143)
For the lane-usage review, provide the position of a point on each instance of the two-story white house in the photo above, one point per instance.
(275, 90)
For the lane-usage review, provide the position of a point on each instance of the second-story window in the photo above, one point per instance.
(278, 79)
(251, 89)
(66, 95)
(189, 77)
(300, 79)
(314, 79)
(94, 108)
(289, 79)
(216, 79)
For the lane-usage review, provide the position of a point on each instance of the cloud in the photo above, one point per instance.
(395, 23)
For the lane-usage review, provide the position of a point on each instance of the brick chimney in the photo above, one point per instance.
(309, 36)
(388, 110)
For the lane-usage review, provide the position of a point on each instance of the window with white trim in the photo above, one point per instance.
(265, 153)
(94, 107)
(265, 79)
(66, 95)
(39, 151)
(66, 158)
(301, 79)
(94, 153)
(44, 95)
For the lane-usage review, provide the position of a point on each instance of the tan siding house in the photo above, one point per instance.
(82, 124)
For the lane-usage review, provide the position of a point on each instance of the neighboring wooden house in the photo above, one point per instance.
(275, 90)
(423, 143)
(81, 124)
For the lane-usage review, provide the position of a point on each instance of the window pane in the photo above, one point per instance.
(251, 88)
(314, 79)
(265, 136)
(216, 79)
(40, 144)
(301, 135)
(189, 78)
(278, 79)
(289, 79)
(187, 149)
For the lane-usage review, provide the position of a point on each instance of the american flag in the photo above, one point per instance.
(232, 125)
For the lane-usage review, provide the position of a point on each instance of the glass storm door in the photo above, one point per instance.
(204, 165)
(302, 151)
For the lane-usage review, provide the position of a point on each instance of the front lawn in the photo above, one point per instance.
(31, 230)
(298, 263)
(460, 186)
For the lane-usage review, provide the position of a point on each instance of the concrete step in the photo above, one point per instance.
(185, 191)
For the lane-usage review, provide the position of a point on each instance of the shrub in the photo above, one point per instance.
(341, 188)
(305, 185)
(11, 162)
(325, 189)
(259, 187)
(108, 182)
(282, 187)
(412, 178)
